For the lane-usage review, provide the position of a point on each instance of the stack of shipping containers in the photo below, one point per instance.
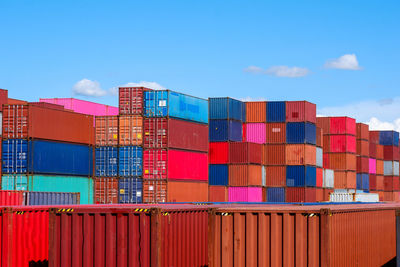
(47, 149)
(362, 148)
(175, 156)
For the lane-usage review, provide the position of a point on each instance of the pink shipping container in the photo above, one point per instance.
(343, 143)
(82, 106)
(12, 198)
(343, 125)
(299, 111)
(245, 194)
(372, 166)
(175, 164)
(256, 133)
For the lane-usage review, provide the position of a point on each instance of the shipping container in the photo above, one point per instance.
(300, 155)
(3, 98)
(342, 161)
(245, 194)
(325, 124)
(106, 130)
(263, 176)
(276, 194)
(225, 108)
(218, 174)
(388, 183)
(391, 168)
(154, 191)
(342, 125)
(225, 130)
(130, 190)
(175, 164)
(328, 178)
(365, 182)
(276, 111)
(372, 150)
(319, 157)
(327, 193)
(362, 131)
(106, 161)
(379, 152)
(274, 154)
(106, 190)
(362, 148)
(319, 138)
(245, 175)
(165, 103)
(301, 194)
(29, 121)
(372, 181)
(374, 137)
(172, 133)
(319, 194)
(45, 183)
(13, 101)
(243, 152)
(300, 176)
(301, 111)
(326, 160)
(362, 164)
(396, 183)
(343, 143)
(11, 197)
(46, 157)
(82, 106)
(300, 133)
(187, 191)
(380, 182)
(275, 176)
(256, 133)
(319, 177)
(345, 179)
(131, 100)
(218, 153)
(276, 133)
(379, 167)
(130, 161)
(389, 138)
(326, 145)
(217, 193)
(358, 181)
(391, 153)
(256, 111)
(52, 198)
(130, 130)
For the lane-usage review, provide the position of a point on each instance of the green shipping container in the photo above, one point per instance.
(45, 183)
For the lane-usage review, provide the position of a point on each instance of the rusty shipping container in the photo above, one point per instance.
(131, 100)
(256, 111)
(345, 180)
(30, 121)
(342, 161)
(274, 154)
(275, 176)
(173, 133)
(130, 130)
(276, 133)
(300, 154)
(243, 152)
(245, 175)
(106, 190)
(106, 129)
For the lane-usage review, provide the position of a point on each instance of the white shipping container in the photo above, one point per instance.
(391, 168)
(328, 178)
(319, 157)
(264, 176)
(341, 197)
(366, 197)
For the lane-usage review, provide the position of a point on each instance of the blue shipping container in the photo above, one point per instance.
(300, 133)
(47, 157)
(130, 190)
(276, 111)
(276, 194)
(225, 130)
(300, 176)
(130, 161)
(52, 198)
(359, 181)
(218, 174)
(225, 108)
(365, 181)
(106, 161)
(389, 138)
(168, 103)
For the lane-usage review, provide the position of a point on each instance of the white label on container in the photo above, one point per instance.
(138, 194)
(276, 130)
(162, 103)
(151, 188)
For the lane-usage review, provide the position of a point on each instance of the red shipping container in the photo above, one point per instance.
(396, 183)
(244, 152)
(301, 194)
(300, 154)
(343, 125)
(275, 176)
(388, 196)
(106, 190)
(379, 152)
(326, 144)
(299, 111)
(29, 121)
(372, 181)
(187, 191)
(274, 154)
(391, 153)
(372, 150)
(379, 167)
(326, 161)
(342, 161)
(131, 100)
(345, 180)
(327, 193)
(218, 152)
(12, 101)
(343, 143)
(276, 133)
(362, 131)
(175, 164)
(388, 183)
(325, 124)
(217, 193)
(319, 137)
(3, 98)
(363, 148)
(47, 105)
(11, 198)
(319, 194)
(374, 137)
(154, 191)
(106, 128)
(380, 184)
(130, 130)
(256, 111)
(362, 165)
(245, 175)
(320, 175)
(172, 133)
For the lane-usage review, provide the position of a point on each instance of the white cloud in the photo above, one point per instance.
(151, 85)
(253, 99)
(345, 62)
(376, 124)
(279, 71)
(86, 87)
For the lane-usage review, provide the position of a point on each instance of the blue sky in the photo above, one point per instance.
(337, 54)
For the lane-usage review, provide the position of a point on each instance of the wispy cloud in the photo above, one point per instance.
(345, 62)
(279, 71)
(86, 87)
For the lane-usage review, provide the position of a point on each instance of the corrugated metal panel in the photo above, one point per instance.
(379, 167)
(319, 177)
(329, 178)
(154, 191)
(276, 194)
(345, 179)
(218, 174)
(245, 194)
(362, 164)
(82, 106)
(342, 125)
(275, 176)
(256, 133)
(372, 181)
(225, 130)
(131, 100)
(106, 190)
(319, 139)
(325, 124)
(342, 161)
(130, 130)
(297, 176)
(389, 138)
(372, 165)
(301, 194)
(343, 143)
(388, 168)
(52, 198)
(106, 130)
(358, 181)
(363, 148)
(319, 157)
(106, 161)
(12, 198)
(274, 154)
(256, 111)
(130, 190)
(300, 111)
(300, 133)
(264, 175)
(227, 108)
(15, 156)
(244, 175)
(130, 161)
(217, 193)
(391, 153)
(300, 155)
(276, 133)
(362, 131)
(218, 152)
(243, 152)
(379, 152)
(365, 182)
(187, 191)
(276, 111)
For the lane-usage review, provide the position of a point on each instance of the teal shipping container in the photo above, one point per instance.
(46, 183)
(165, 103)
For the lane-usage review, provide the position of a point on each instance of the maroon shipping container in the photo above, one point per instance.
(301, 194)
(326, 145)
(129, 236)
(275, 176)
(388, 183)
(343, 143)
(326, 163)
(343, 125)
(372, 181)
(362, 131)
(396, 183)
(363, 148)
(172, 133)
(325, 124)
(319, 137)
(372, 150)
(274, 155)
(362, 164)
(3, 98)
(218, 152)
(244, 152)
(106, 190)
(30, 121)
(12, 198)
(276, 133)
(374, 137)
(299, 111)
(391, 153)
(131, 100)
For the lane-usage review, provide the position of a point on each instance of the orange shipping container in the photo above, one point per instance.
(106, 130)
(217, 193)
(319, 137)
(363, 148)
(379, 152)
(362, 131)
(274, 154)
(130, 130)
(256, 111)
(327, 192)
(324, 123)
(387, 196)
(380, 182)
(245, 175)
(184, 191)
(275, 176)
(379, 167)
(154, 191)
(106, 190)
(326, 144)
(300, 154)
(319, 194)
(276, 133)
(345, 180)
(342, 161)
